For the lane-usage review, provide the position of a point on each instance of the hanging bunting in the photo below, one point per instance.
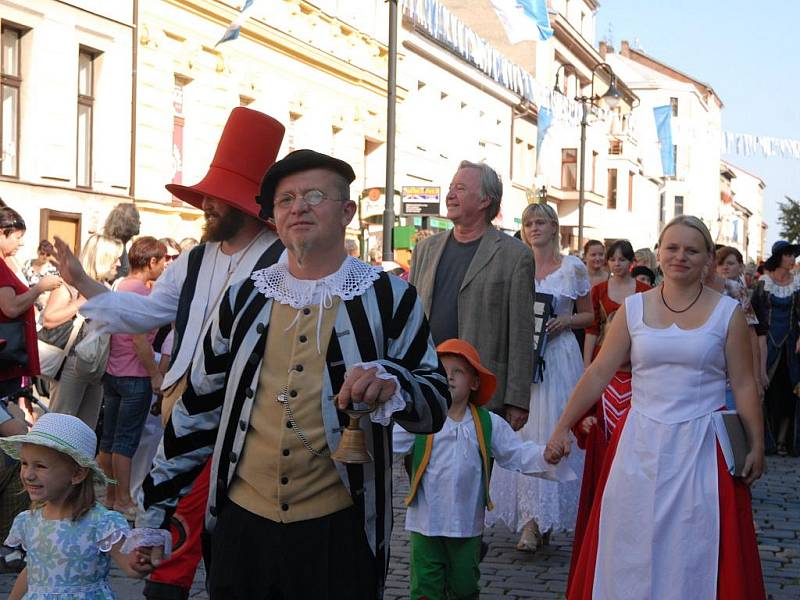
(748, 144)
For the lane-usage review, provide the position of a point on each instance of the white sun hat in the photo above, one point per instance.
(64, 433)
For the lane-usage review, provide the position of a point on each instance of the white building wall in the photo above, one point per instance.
(55, 31)
(748, 192)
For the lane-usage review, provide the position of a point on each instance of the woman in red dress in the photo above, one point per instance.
(595, 429)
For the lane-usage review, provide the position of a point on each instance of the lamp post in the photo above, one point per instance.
(391, 105)
(611, 99)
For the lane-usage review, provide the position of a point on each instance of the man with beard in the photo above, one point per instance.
(236, 242)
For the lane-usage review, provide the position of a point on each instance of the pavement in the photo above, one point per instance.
(507, 573)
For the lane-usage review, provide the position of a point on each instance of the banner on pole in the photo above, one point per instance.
(663, 116)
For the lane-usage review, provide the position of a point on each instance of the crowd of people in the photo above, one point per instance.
(199, 389)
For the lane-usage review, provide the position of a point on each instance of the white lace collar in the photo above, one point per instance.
(351, 280)
(780, 291)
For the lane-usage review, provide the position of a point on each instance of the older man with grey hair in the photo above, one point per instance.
(476, 283)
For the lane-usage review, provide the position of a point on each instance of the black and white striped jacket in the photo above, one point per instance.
(386, 324)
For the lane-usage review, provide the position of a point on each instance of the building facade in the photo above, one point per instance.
(106, 102)
(66, 114)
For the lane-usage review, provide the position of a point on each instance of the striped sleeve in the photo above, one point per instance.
(212, 363)
(411, 357)
(192, 428)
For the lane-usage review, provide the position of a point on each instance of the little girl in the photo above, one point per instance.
(67, 535)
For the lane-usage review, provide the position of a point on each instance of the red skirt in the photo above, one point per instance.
(615, 402)
(739, 576)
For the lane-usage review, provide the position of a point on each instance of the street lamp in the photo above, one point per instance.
(611, 99)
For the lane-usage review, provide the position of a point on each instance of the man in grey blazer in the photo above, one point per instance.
(476, 283)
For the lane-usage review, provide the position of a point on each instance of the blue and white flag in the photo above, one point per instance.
(544, 122)
(524, 19)
(232, 32)
(663, 116)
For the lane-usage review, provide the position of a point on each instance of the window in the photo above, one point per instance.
(615, 147)
(678, 205)
(10, 82)
(675, 158)
(612, 189)
(86, 64)
(662, 210)
(569, 168)
(630, 191)
(178, 123)
(673, 102)
(594, 171)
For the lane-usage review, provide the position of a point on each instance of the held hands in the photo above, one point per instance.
(144, 559)
(364, 386)
(558, 447)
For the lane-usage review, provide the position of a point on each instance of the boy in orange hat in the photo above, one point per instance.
(450, 478)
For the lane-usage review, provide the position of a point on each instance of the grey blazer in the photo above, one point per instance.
(495, 308)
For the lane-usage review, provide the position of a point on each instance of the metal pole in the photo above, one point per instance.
(582, 176)
(391, 97)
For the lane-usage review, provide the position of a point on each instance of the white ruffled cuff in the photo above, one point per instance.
(383, 414)
(147, 537)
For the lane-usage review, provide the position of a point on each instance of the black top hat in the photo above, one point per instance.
(294, 162)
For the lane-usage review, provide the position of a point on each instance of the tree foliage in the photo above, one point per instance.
(789, 219)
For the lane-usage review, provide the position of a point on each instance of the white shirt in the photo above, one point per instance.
(450, 498)
(126, 312)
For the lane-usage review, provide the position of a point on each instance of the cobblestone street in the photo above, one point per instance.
(507, 573)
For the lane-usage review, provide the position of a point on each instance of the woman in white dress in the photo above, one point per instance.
(536, 506)
(669, 520)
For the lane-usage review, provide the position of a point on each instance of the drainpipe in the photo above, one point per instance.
(134, 67)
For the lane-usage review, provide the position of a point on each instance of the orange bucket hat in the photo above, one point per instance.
(488, 381)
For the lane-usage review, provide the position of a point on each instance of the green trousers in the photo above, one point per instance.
(444, 568)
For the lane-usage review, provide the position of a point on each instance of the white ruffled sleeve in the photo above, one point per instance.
(576, 277)
(110, 528)
(17, 534)
(383, 414)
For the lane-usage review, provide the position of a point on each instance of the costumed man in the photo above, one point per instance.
(290, 346)
(188, 294)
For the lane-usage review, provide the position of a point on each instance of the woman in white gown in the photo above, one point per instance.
(669, 520)
(536, 506)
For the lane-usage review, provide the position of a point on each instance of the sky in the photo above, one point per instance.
(747, 51)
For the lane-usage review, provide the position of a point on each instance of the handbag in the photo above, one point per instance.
(91, 355)
(15, 351)
(56, 336)
(51, 356)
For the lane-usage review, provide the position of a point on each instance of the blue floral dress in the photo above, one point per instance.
(68, 560)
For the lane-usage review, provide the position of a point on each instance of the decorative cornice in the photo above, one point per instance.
(280, 41)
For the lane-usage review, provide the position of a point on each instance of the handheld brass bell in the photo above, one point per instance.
(352, 448)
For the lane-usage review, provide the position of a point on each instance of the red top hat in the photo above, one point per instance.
(247, 148)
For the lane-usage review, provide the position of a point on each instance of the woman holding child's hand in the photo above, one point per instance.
(668, 502)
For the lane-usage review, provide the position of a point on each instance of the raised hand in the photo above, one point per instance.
(69, 267)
